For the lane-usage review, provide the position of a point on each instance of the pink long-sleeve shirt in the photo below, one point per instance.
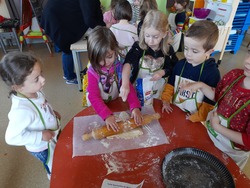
(99, 85)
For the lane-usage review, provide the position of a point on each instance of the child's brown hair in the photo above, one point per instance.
(204, 29)
(100, 41)
(123, 10)
(15, 67)
(147, 5)
(113, 3)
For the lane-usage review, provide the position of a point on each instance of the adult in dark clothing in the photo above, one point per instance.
(66, 21)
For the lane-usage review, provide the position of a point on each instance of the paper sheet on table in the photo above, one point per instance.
(153, 135)
(117, 184)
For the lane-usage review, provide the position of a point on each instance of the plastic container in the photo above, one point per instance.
(199, 4)
(201, 12)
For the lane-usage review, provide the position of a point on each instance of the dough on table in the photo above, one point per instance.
(134, 133)
(125, 117)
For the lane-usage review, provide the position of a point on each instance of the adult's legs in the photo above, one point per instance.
(68, 66)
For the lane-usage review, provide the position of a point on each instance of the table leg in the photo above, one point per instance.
(77, 61)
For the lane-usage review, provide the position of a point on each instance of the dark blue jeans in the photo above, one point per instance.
(42, 156)
(68, 66)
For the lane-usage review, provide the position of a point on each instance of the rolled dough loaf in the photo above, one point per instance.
(134, 133)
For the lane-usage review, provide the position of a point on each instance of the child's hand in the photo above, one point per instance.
(57, 115)
(111, 123)
(166, 107)
(158, 75)
(214, 120)
(136, 114)
(47, 135)
(188, 116)
(124, 91)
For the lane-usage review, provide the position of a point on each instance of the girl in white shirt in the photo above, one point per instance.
(32, 121)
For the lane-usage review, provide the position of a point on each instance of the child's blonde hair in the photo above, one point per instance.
(204, 29)
(157, 20)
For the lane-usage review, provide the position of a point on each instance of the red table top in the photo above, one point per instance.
(90, 171)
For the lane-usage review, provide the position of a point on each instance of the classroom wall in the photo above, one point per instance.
(105, 3)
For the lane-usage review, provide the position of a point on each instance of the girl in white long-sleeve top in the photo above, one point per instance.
(32, 121)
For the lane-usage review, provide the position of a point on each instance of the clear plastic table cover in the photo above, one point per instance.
(153, 135)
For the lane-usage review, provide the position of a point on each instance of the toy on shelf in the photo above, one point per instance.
(222, 12)
(201, 12)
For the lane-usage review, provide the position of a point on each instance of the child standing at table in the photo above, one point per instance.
(146, 5)
(135, 4)
(229, 123)
(151, 59)
(32, 121)
(177, 21)
(104, 76)
(124, 32)
(108, 16)
(197, 66)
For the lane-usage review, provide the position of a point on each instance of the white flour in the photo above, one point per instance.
(226, 158)
(118, 164)
(151, 141)
(105, 144)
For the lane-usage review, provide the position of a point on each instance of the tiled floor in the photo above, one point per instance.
(18, 168)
